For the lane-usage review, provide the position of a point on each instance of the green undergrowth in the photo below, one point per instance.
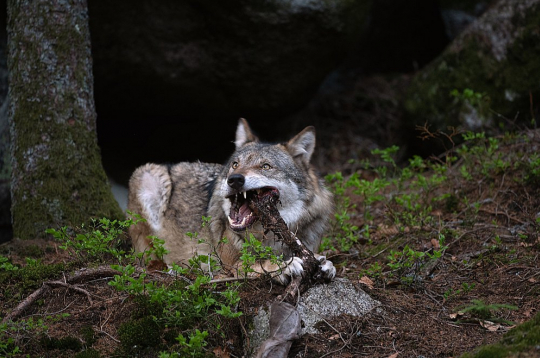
(177, 316)
(385, 213)
(403, 220)
(171, 317)
(416, 200)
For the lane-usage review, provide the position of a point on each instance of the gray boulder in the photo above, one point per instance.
(489, 72)
(214, 57)
(319, 303)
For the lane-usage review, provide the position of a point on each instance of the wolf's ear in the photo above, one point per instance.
(303, 144)
(244, 134)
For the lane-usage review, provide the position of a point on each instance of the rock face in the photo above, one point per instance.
(321, 302)
(215, 57)
(489, 72)
(327, 301)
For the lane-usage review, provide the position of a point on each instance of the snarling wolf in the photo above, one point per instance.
(173, 199)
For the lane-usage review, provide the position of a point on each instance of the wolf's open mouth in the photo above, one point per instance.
(241, 217)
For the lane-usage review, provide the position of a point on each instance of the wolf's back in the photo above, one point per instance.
(172, 199)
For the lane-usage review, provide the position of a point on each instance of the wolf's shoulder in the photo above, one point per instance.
(192, 172)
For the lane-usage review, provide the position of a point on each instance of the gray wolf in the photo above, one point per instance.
(174, 198)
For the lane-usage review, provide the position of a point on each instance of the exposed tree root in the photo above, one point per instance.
(80, 276)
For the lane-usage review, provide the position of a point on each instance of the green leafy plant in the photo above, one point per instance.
(6, 265)
(12, 334)
(479, 309)
(101, 238)
(475, 99)
(253, 250)
(408, 263)
(177, 303)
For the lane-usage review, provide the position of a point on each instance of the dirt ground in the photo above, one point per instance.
(491, 255)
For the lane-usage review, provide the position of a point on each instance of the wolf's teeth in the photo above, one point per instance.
(245, 194)
(230, 220)
(258, 191)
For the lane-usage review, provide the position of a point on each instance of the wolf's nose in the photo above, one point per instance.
(236, 181)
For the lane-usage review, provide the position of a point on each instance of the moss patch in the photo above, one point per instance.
(139, 334)
(64, 343)
(524, 338)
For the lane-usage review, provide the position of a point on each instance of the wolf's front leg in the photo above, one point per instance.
(293, 267)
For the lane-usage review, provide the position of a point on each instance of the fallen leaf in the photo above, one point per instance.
(393, 355)
(335, 336)
(367, 281)
(435, 244)
(532, 280)
(221, 353)
(490, 326)
(156, 265)
(454, 316)
(528, 312)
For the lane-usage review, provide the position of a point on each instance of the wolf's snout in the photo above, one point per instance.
(236, 181)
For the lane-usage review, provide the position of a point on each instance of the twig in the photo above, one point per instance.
(78, 277)
(74, 288)
(111, 337)
(503, 213)
(26, 303)
(232, 279)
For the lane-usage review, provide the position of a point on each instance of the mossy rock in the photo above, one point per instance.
(88, 334)
(522, 341)
(139, 334)
(145, 307)
(496, 58)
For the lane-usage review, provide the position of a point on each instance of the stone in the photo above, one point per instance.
(319, 303)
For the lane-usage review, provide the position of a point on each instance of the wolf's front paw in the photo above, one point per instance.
(294, 268)
(327, 268)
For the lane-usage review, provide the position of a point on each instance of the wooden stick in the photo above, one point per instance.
(265, 207)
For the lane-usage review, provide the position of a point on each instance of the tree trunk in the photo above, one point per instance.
(57, 176)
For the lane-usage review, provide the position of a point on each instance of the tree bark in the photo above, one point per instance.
(57, 176)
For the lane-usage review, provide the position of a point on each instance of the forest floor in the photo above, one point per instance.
(449, 246)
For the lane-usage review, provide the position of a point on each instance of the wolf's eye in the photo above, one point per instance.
(266, 166)
(235, 165)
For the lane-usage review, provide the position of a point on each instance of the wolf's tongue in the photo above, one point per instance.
(239, 212)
